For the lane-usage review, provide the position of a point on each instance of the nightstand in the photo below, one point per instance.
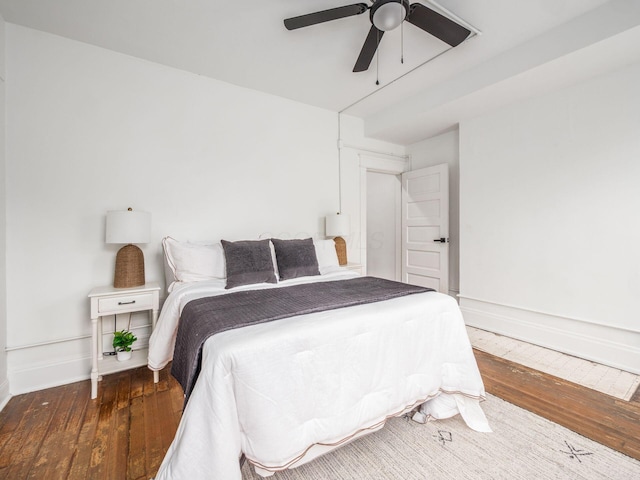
(113, 301)
(356, 267)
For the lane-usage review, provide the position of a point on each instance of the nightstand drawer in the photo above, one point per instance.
(125, 303)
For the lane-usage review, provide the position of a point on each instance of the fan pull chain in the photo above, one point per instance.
(402, 42)
(378, 57)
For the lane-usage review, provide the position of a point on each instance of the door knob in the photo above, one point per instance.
(441, 240)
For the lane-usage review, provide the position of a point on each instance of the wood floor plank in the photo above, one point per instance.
(10, 432)
(635, 398)
(104, 429)
(137, 462)
(153, 442)
(82, 456)
(53, 459)
(119, 439)
(168, 422)
(177, 398)
(32, 430)
(11, 415)
(137, 382)
(10, 418)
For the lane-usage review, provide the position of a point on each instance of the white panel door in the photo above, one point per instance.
(425, 227)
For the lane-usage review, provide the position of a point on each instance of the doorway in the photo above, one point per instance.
(383, 225)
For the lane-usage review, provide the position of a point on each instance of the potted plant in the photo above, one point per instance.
(122, 341)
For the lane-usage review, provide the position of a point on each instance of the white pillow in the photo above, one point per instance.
(327, 255)
(193, 262)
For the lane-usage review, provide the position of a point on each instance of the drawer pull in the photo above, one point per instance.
(126, 303)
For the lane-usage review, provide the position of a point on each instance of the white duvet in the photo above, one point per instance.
(274, 390)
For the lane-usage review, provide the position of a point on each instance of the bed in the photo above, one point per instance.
(280, 393)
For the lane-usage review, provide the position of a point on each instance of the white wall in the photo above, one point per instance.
(4, 382)
(549, 229)
(444, 148)
(90, 130)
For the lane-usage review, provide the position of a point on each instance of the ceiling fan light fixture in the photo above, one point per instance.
(386, 15)
(389, 14)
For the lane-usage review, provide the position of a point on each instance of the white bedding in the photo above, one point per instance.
(273, 390)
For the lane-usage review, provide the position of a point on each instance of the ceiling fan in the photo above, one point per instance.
(386, 15)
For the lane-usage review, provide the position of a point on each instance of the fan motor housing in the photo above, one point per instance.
(386, 15)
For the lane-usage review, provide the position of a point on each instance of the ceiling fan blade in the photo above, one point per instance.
(325, 16)
(437, 25)
(368, 49)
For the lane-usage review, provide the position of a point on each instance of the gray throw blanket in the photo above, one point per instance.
(205, 317)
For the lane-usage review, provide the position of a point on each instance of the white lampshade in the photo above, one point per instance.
(128, 226)
(337, 225)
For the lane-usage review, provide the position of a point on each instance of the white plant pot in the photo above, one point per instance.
(123, 356)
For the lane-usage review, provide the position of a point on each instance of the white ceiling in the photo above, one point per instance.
(245, 43)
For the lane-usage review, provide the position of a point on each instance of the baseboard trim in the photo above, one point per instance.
(604, 344)
(47, 365)
(39, 376)
(5, 396)
(455, 294)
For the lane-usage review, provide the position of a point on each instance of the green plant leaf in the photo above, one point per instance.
(122, 340)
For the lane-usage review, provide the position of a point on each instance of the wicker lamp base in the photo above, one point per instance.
(129, 267)
(341, 250)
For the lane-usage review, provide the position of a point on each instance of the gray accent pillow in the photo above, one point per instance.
(248, 262)
(296, 258)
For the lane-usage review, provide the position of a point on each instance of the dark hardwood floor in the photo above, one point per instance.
(603, 418)
(60, 433)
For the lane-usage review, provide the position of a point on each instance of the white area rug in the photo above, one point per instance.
(523, 446)
(609, 380)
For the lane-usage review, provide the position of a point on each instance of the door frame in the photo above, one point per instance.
(390, 165)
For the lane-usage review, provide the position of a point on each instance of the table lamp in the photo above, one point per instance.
(338, 226)
(129, 227)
